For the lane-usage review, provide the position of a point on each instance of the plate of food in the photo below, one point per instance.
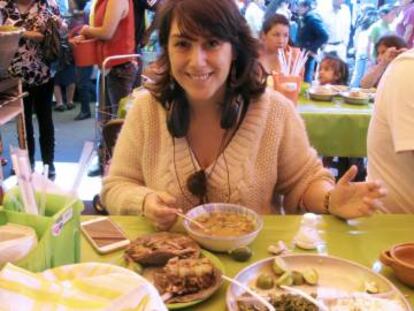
(322, 92)
(183, 273)
(356, 97)
(335, 283)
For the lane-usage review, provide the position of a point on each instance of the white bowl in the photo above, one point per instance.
(223, 244)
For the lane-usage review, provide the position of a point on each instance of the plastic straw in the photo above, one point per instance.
(86, 156)
(42, 206)
(289, 62)
(295, 62)
(24, 176)
(84, 159)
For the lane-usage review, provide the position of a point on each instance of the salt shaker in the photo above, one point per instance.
(308, 236)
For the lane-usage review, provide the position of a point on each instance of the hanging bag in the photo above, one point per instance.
(51, 43)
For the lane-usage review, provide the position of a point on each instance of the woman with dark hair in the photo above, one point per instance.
(386, 49)
(209, 131)
(275, 38)
(30, 66)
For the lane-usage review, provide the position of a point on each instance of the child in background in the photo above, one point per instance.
(275, 37)
(386, 49)
(333, 70)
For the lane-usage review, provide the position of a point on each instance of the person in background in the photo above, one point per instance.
(390, 135)
(29, 65)
(112, 23)
(361, 42)
(387, 13)
(254, 15)
(274, 38)
(333, 70)
(210, 131)
(65, 78)
(278, 7)
(142, 30)
(81, 11)
(337, 19)
(405, 29)
(312, 35)
(283, 7)
(386, 49)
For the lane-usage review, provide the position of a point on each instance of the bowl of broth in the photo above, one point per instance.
(223, 226)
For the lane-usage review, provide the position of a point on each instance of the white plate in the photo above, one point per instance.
(355, 100)
(334, 274)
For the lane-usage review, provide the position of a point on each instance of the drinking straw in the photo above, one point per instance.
(86, 156)
(24, 176)
(302, 60)
(282, 61)
(289, 62)
(84, 159)
(42, 206)
(296, 62)
(251, 292)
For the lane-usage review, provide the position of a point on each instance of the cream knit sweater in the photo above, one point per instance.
(269, 154)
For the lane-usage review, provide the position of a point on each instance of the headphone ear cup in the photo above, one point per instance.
(178, 119)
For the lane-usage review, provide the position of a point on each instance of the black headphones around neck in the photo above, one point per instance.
(178, 116)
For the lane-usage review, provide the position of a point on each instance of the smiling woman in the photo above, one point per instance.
(209, 131)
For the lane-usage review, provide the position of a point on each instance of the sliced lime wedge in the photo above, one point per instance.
(279, 266)
(311, 276)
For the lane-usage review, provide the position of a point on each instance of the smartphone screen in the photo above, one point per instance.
(103, 232)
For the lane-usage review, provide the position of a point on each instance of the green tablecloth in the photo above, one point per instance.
(360, 241)
(336, 129)
(333, 129)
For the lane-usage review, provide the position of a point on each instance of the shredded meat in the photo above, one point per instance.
(186, 276)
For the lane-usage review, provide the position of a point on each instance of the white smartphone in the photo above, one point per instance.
(104, 235)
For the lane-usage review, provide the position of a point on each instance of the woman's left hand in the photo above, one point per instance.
(355, 199)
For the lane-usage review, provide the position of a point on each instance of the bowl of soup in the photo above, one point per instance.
(222, 227)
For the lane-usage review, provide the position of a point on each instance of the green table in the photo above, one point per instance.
(359, 240)
(333, 129)
(336, 129)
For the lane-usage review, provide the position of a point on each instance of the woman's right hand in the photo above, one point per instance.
(76, 40)
(159, 209)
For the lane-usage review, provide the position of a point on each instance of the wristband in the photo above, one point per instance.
(327, 202)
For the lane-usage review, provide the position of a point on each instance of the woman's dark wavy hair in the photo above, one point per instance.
(220, 19)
